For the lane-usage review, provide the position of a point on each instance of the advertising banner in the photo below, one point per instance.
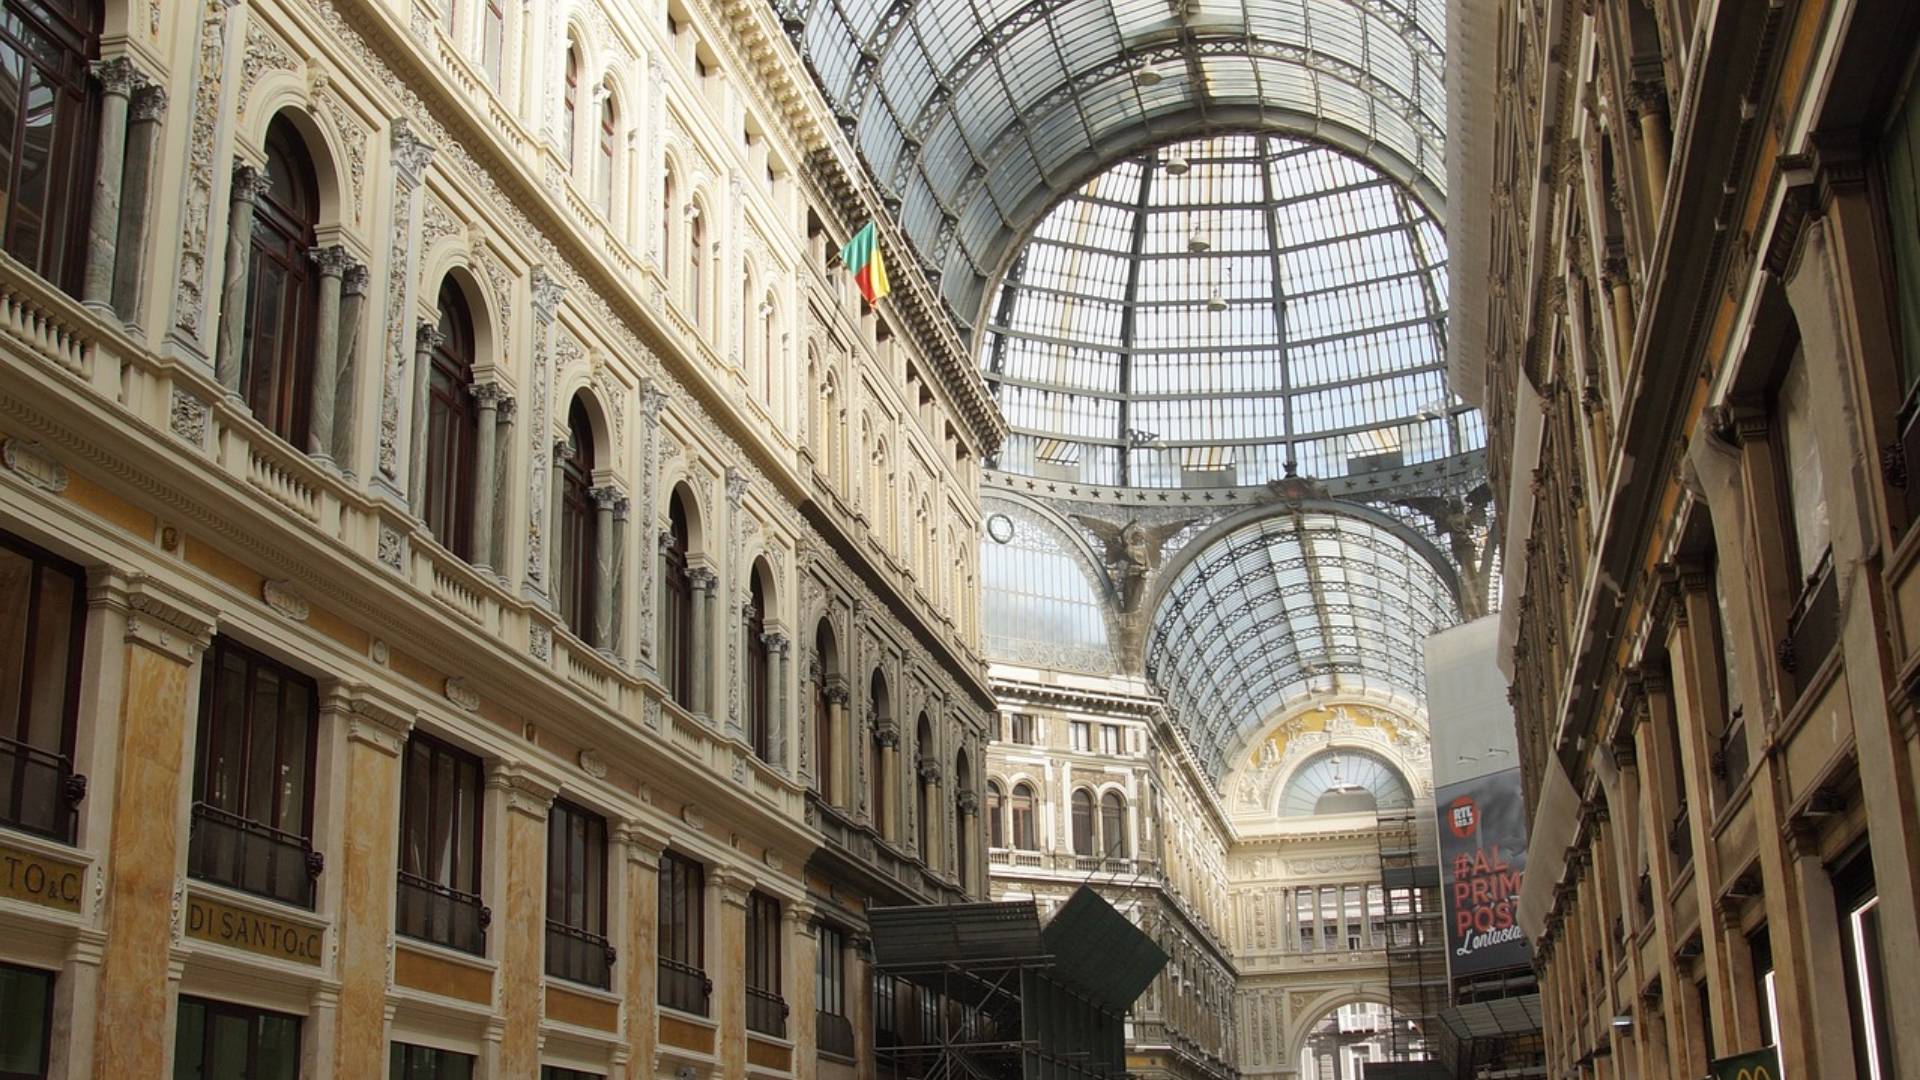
(1759, 1065)
(1483, 853)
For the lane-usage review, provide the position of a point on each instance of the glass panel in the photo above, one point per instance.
(26, 1002)
(1806, 490)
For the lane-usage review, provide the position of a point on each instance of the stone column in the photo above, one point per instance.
(377, 730)
(885, 797)
(346, 397)
(860, 1003)
(730, 984)
(618, 560)
(604, 498)
(136, 182)
(118, 78)
(165, 637)
(498, 529)
(642, 944)
(332, 262)
(928, 773)
(835, 786)
(1613, 272)
(799, 976)
(704, 583)
(249, 184)
(778, 649)
(973, 853)
(426, 338)
(486, 459)
(1647, 98)
(522, 925)
(556, 508)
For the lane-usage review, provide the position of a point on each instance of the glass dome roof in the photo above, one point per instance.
(1227, 311)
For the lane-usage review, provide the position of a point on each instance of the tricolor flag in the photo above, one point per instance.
(862, 256)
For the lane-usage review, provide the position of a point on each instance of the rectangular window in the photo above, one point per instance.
(1805, 485)
(1355, 916)
(26, 1001)
(493, 35)
(441, 789)
(1020, 729)
(1303, 917)
(766, 1008)
(833, 1029)
(1110, 741)
(1080, 734)
(410, 1062)
(220, 1039)
(47, 115)
(886, 1010)
(556, 1072)
(42, 616)
(1900, 162)
(577, 946)
(1376, 916)
(1329, 918)
(683, 953)
(253, 777)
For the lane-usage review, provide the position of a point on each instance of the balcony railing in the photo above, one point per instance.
(430, 911)
(579, 955)
(684, 987)
(766, 1012)
(39, 791)
(230, 850)
(1813, 627)
(833, 1034)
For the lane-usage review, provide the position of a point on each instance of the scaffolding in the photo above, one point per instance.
(1417, 987)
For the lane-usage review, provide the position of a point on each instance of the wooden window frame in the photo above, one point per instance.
(47, 231)
(1113, 825)
(759, 675)
(677, 638)
(996, 807)
(401, 1063)
(459, 890)
(570, 104)
(49, 980)
(579, 543)
(276, 373)
(682, 933)
(19, 753)
(254, 1017)
(766, 1003)
(452, 427)
(1027, 838)
(577, 946)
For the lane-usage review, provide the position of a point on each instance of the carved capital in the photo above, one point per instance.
(354, 281)
(373, 718)
(887, 734)
(527, 792)
(969, 803)
(149, 103)
(604, 497)
(547, 292)
(249, 184)
(332, 260)
(652, 400)
(427, 337)
(411, 153)
(490, 396)
(117, 75)
(929, 770)
(161, 619)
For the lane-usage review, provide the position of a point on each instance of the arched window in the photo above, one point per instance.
(579, 553)
(758, 678)
(1113, 825)
(696, 267)
(825, 737)
(667, 224)
(676, 607)
(276, 374)
(750, 355)
(451, 419)
(47, 145)
(928, 804)
(570, 105)
(962, 785)
(450, 18)
(769, 348)
(1023, 834)
(1082, 822)
(996, 815)
(603, 159)
(880, 713)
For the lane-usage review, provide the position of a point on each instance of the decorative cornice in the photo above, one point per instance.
(527, 791)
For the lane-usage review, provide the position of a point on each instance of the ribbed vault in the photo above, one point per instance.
(978, 115)
(1285, 607)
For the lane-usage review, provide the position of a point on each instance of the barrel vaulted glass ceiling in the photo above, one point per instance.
(1230, 310)
(1289, 606)
(978, 115)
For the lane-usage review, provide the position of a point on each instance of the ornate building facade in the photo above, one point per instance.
(1693, 336)
(483, 600)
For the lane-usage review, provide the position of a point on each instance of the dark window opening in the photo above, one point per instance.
(683, 951)
(577, 946)
(26, 1001)
(42, 626)
(676, 607)
(410, 1062)
(766, 1008)
(216, 1040)
(283, 292)
(442, 792)
(579, 549)
(49, 111)
(452, 416)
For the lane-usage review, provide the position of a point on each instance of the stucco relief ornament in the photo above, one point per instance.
(593, 764)
(391, 551)
(281, 597)
(31, 462)
(188, 418)
(461, 693)
(540, 642)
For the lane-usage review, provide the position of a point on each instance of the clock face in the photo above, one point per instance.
(1000, 527)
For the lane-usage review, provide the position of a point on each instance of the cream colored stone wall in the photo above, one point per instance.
(841, 461)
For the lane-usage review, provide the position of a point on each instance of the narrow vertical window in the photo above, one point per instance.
(570, 106)
(26, 1000)
(451, 431)
(603, 159)
(577, 946)
(42, 617)
(769, 349)
(696, 272)
(1082, 822)
(441, 794)
(759, 679)
(823, 733)
(253, 777)
(493, 41)
(682, 927)
(48, 106)
(276, 374)
(766, 1008)
(676, 608)
(1113, 825)
(996, 820)
(834, 1029)
(579, 550)
(1023, 834)
(667, 224)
